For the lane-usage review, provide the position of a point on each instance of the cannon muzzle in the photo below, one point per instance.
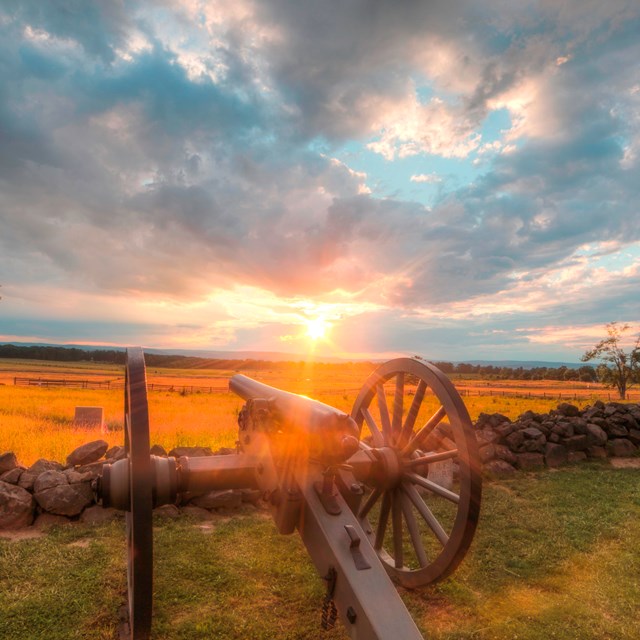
(332, 434)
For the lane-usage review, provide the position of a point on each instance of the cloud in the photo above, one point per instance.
(170, 151)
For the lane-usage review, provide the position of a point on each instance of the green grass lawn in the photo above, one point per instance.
(556, 556)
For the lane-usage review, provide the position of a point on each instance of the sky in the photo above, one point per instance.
(456, 180)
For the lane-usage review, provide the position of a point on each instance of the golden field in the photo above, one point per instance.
(37, 422)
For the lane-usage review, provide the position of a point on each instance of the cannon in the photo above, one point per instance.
(388, 494)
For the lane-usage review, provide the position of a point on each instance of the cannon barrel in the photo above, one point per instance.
(333, 434)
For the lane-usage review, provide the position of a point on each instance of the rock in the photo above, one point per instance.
(196, 512)
(530, 415)
(634, 436)
(554, 437)
(616, 430)
(27, 480)
(505, 429)
(529, 461)
(532, 433)
(579, 426)
(568, 410)
(193, 452)
(48, 520)
(42, 465)
(169, 511)
(535, 446)
(601, 422)
(87, 453)
(486, 436)
(65, 499)
(74, 476)
(631, 421)
(499, 469)
(577, 456)
(229, 499)
(596, 452)
(514, 440)
(8, 462)
(621, 448)
(12, 476)
(115, 453)
(96, 514)
(563, 429)
(596, 435)
(16, 506)
(49, 479)
(225, 451)
(92, 470)
(504, 453)
(493, 420)
(609, 410)
(158, 450)
(576, 443)
(555, 455)
(487, 453)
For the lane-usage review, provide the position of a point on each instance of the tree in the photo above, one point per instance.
(618, 368)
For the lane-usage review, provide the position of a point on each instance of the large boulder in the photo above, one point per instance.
(16, 507)
(499, 469)
(65, 499)
(42, 465)
(48, 480)
(569, 410)
(87, 453)
(13, 476)
(621, 448)
(596, 435)
(555, 455)
(8, 461)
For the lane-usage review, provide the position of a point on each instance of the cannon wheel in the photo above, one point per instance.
(139, 517)
(399, 514)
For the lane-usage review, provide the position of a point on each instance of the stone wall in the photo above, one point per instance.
(49, 492)
(565, 435)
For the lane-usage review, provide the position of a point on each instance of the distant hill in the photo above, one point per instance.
(279, 356)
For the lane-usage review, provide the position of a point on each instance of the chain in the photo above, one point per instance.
(329, 611)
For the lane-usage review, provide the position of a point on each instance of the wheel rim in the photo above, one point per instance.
(139, 517)
(420, 528)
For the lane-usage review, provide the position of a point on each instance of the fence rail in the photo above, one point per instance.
(118, 383)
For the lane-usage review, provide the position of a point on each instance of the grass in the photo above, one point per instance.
(555, 556)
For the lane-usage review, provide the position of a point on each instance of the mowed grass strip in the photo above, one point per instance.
(555, 556)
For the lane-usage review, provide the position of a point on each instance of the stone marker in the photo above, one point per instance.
(441, 473)
(89, 417)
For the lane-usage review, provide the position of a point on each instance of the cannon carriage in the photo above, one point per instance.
(387, 494)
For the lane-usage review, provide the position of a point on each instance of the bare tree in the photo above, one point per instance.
(618, 368)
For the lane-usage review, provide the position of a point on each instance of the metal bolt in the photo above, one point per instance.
(356, 488)
(351, 615)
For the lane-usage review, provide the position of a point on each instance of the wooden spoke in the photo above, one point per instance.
(433, 487)
(410, 420)
(382, 523)
(398, 404)
(396, 521)
(426, 513)
(371, 500)
(414, 531)
(432, 457)
(378, 440)
(384, 413)
(432, 423)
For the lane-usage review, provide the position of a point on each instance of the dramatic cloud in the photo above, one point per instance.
(171, 153)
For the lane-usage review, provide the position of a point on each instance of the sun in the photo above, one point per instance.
(317, 328)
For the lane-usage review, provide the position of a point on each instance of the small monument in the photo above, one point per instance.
(89, 417)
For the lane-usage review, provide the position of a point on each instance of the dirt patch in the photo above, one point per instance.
(625, 463)
(22, 534)
(82, 543)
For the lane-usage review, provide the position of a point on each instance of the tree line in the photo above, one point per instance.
(113, 356)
